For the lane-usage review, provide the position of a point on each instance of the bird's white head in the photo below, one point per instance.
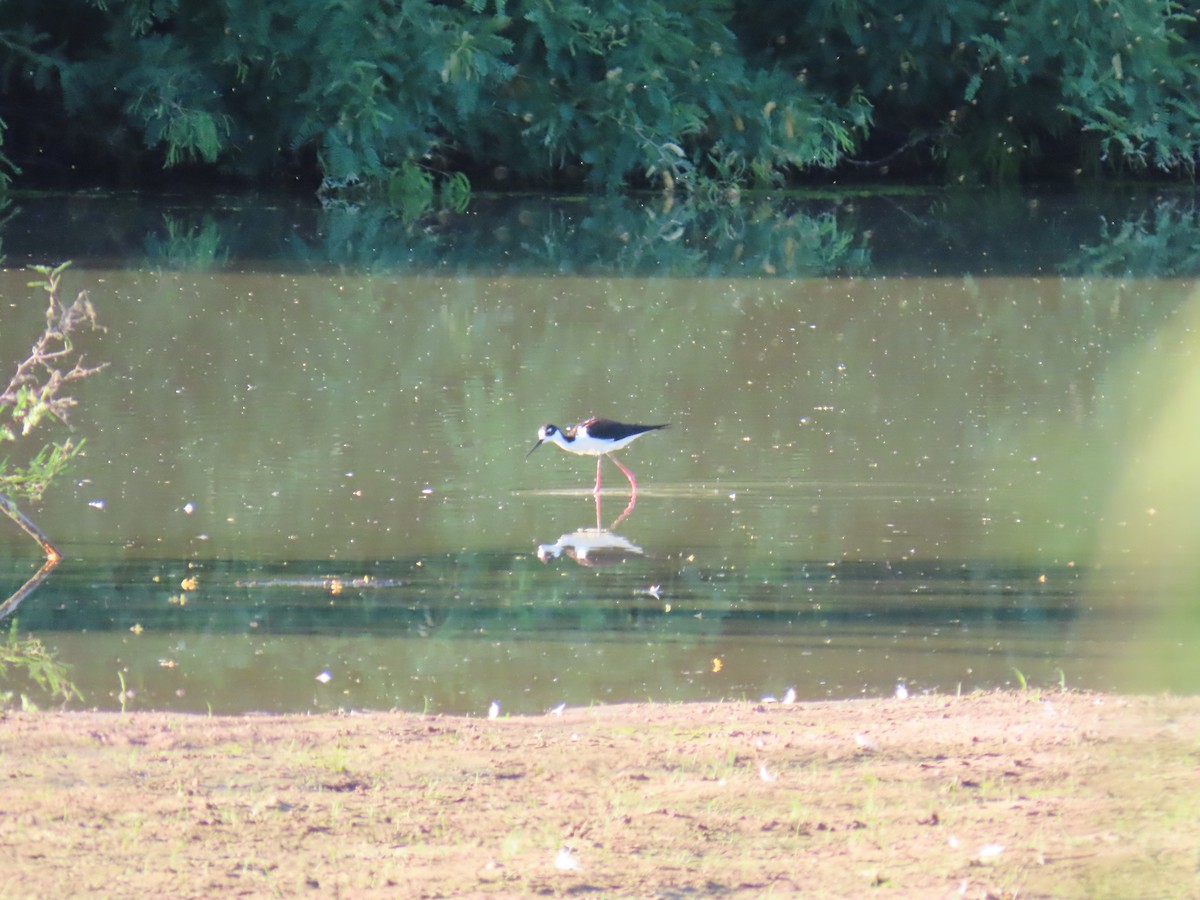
(549, 433)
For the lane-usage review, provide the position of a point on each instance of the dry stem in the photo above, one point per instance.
(42, 370)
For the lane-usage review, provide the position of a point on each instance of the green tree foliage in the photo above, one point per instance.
(646, 91)
(992, 90)
(396, 95)
(7, 169)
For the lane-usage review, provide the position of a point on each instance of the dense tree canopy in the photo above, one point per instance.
(700, 95)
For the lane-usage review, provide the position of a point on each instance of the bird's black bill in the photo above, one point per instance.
(535, 446)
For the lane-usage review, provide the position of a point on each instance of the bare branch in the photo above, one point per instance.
(36, 386)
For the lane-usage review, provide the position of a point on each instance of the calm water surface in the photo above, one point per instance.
(305, 482)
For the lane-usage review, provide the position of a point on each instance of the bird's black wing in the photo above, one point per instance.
(608, 430)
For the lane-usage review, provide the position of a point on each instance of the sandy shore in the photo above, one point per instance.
(1012, 795)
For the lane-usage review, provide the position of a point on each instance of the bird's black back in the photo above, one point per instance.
(608, 430)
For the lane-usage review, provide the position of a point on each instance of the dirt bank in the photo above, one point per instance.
(991, 795)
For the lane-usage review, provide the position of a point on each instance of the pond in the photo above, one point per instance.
(937, 442)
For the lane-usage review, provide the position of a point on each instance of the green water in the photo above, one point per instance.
(869, 479)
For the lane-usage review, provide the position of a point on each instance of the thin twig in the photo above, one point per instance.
(38, 369)
(53, 557)
(10, 605)
(10, 509)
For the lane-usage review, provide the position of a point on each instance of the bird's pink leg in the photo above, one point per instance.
(622, 516)
(628, 474)
(599, 459)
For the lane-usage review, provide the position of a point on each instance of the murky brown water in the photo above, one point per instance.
(1009, 457)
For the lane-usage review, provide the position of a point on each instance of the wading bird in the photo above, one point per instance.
(598, 438)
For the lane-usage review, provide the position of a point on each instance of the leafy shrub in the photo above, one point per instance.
(990, 91)
(669, 93)
(28, 668)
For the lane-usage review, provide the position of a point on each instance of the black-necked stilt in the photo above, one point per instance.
(598, 438)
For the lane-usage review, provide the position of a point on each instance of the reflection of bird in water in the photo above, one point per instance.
(598, 438)
(432, 618)
(591, 547)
